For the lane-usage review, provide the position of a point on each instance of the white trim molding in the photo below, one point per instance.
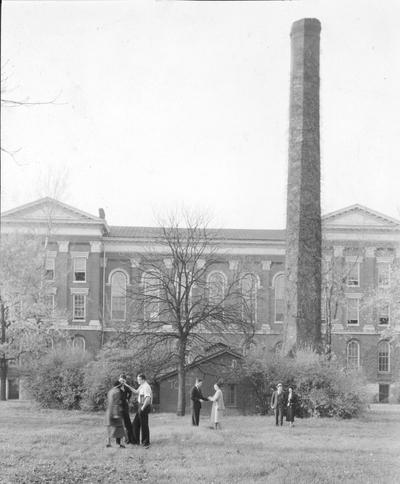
(370, 251)
(117, 269)
(338, 251)
(357, 259)
(75, 254)
(135, 262)
(266, 265)
(385, 260)
(63, 245)
(233, 265)
(95, 246)
(79, 290)
(168, 262)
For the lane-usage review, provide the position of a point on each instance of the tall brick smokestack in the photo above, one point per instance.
(303, 218)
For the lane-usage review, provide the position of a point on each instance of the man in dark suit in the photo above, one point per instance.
(278, 403)
(196, 397)
(126, 394)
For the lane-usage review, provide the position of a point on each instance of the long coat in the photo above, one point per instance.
(218, 407)
(291, 407)
(113, 418)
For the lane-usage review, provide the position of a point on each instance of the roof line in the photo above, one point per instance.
(55, 202)
(362, 208)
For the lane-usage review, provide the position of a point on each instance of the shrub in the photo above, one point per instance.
(57, 379)
(323, 387)
(114, 359)
(102, 373)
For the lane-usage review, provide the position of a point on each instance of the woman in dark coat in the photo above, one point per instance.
(291, 402)
(114, 420)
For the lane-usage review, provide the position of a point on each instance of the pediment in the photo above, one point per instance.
(49, 209)
(358, 216)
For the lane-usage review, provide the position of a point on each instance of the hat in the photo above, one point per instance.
(279, 385)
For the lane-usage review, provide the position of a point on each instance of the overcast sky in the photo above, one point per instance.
(161, 104)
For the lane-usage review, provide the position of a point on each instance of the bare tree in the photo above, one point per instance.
(335, 279)
(182, 305)
(26, 307)
(383, 301)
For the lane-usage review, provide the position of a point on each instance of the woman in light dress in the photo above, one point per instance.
(218, 406)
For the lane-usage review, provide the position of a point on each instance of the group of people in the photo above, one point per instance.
(217, 409)
(118, 420)
(137, 432)
(284, 402)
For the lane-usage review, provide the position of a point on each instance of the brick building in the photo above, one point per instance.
(92, 262)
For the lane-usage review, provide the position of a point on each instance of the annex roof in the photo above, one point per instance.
(204, 359)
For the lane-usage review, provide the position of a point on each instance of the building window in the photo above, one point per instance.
(118, 296)
(231, 395)
(151, 297)
(80, 269)
(353, 274)
(383, 317)
(216, 285)
(79, 307)
(49, 303)
(249, 293)
(384, 356)
(353, 310)
(50, 268)
(279, 298)
(79, 343)
(383, 274)
(353, 355)
(384, 392)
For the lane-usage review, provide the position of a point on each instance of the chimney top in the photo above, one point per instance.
(307, 26)
(102, 213)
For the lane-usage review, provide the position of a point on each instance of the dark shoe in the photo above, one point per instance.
(108, 445)
(121, 446)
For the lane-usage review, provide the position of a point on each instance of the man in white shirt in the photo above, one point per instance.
(141, 420)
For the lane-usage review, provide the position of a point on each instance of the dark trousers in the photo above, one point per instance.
(128, 425)
(196, 414)
(278, 415)
(141, 425)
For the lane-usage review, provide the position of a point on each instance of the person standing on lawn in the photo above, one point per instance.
(291, 403)
(141, 420)
(126, 394)
(114, 420)
(218, 407)
(196, 397)
(278, 404)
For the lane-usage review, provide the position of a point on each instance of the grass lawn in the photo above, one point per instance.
(43, 446)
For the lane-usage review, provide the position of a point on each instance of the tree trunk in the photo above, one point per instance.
(3, 361)
(181, 382)
(3, 378)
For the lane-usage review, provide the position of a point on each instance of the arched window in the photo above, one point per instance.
(79, 342)
(151, 297)
(279, 285)
(384, 356)
(118, 295)
(353, 355)
(249, 293)
(216, 286)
